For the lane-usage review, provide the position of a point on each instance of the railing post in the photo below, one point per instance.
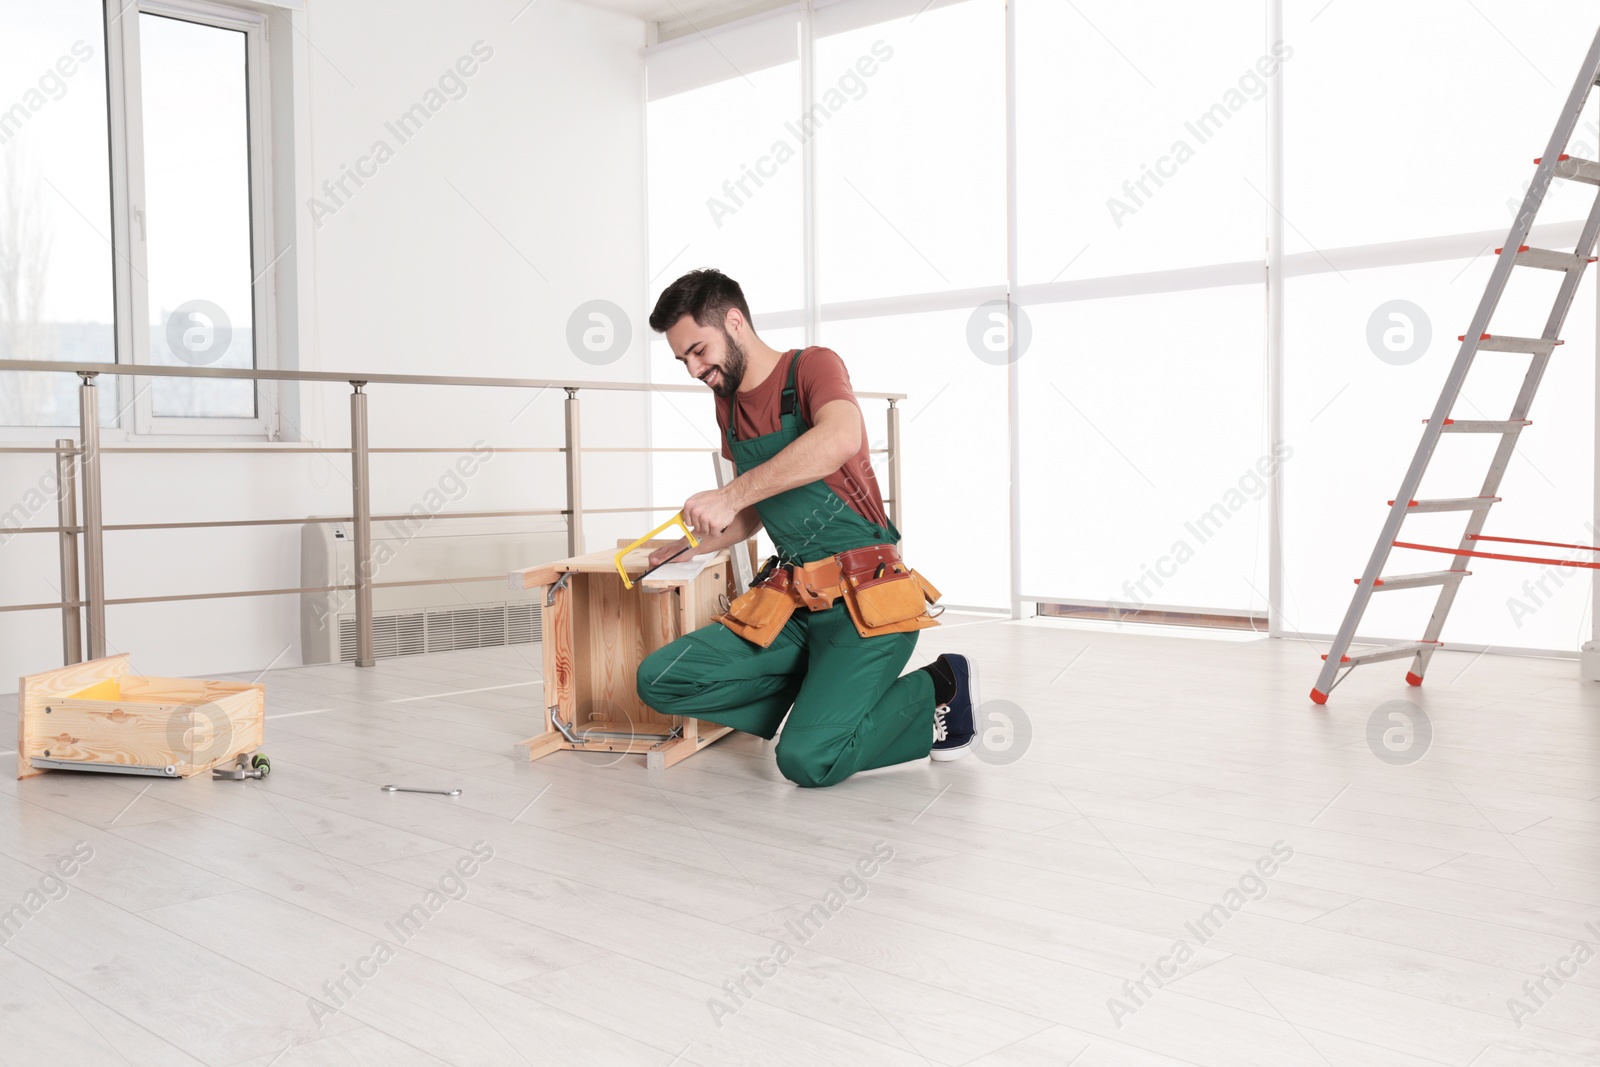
(94, 577)
(66, 518)
(574, 478)
(361, 492)
(894, 464)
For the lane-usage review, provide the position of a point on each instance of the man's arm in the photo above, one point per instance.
(745, 525)
(812, 456)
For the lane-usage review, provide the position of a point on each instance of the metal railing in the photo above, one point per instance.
(83, 599)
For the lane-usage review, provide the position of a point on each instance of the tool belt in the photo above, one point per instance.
(881, 593)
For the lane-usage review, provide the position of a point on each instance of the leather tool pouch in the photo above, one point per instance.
(760, 614)
(889, 598)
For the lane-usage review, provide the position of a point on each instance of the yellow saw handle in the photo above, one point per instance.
(676, 520)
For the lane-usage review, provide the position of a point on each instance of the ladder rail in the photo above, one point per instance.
(1503, 454)
(1544, 173)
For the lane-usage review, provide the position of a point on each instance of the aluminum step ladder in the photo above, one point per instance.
(1515, 253)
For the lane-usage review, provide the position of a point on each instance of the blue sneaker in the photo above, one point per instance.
(955, 722)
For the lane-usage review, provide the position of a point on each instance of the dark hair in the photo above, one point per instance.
(707, 295)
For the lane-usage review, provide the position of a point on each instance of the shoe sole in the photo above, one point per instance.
(945, 755)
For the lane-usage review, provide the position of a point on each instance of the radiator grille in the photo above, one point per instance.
(415, 632)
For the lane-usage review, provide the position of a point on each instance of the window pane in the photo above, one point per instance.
(1140, 150)
(55, 206)
(953, 436)
(197, 208)
(1437, 132)
(1144, 454)
(725, 177)
(911, 154)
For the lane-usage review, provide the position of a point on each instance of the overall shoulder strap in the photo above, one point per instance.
(788, 404)
(788, 407)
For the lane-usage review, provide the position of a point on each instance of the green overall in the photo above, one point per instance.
(852, 710)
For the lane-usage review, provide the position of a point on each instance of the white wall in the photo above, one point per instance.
(407, 275)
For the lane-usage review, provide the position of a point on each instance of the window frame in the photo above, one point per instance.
(125, 119)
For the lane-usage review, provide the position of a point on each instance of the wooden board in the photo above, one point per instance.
(559, 666)
(533, 577)
(99, 712)
(35, 691)
(602, 562)
(617, 645)
(684, 747)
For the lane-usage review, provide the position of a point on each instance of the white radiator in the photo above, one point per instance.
(410, 620)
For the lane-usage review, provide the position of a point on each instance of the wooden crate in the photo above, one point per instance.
(596, 633)
(100, 716)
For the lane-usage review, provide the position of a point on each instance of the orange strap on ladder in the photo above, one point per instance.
(1513, 559)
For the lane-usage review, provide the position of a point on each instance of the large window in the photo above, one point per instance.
(1149, 178)
(1142, 172)
(911, 197)
(909, 237)
(134, 165)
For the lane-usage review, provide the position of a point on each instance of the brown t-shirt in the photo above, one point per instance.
(822, 378)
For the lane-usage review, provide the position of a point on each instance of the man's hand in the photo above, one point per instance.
(661, 555)
(709, 513)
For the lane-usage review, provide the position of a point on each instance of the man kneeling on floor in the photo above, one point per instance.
(832, 619)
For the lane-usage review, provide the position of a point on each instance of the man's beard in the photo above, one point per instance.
(731, 373)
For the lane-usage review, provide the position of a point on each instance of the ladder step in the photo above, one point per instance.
(1410, 648)
(1534, 346)
(1483, 426)
(1578, 170)
(1416, 581)
(1548, 259)
(1464, 503)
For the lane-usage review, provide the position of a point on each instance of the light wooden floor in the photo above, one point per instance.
(1017, 901)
